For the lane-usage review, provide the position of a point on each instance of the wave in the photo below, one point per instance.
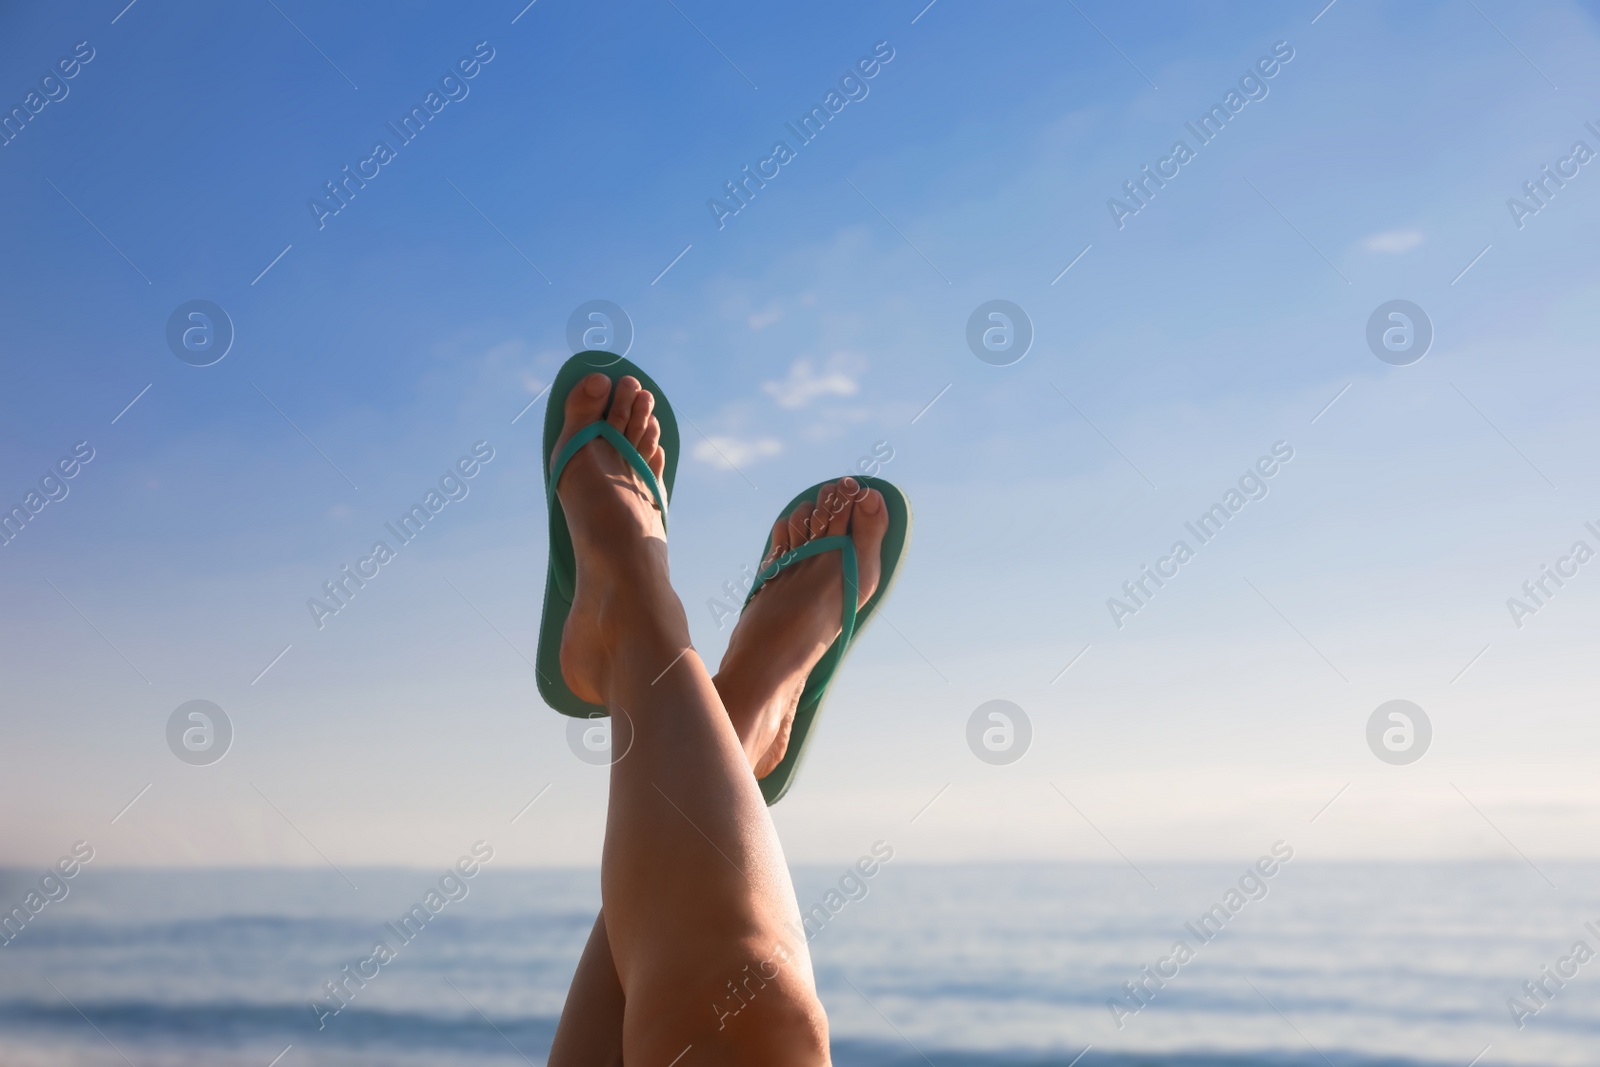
(151, 1025)
(235, 1023)
(856, 1054)
(275, 930)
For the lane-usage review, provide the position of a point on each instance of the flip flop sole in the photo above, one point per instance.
(561, 572)
(892, 551)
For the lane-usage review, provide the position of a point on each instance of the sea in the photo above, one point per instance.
(953, 966)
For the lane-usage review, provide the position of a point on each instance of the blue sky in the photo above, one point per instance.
(373, 352)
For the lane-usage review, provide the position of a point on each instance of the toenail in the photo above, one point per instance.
(597, 385)
(872, 504)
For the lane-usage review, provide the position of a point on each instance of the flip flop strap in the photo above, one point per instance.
(624, 448)
(852, 592)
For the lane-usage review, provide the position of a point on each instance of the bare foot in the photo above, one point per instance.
(617, 537)
(795, 616)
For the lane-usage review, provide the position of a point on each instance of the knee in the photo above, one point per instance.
(783, 1025)
(769, 1012)
(759, 1007)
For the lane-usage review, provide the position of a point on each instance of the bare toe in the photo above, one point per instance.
(583, 406)
(649, 445)
(869, 523)
(780, 541)
(622, 403)
(841, 506)
(800, 526)
(829, 504)
(640, 417)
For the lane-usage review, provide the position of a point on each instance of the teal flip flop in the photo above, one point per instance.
(892, 551)
(561, 574)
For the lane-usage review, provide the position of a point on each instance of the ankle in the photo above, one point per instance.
(644, 615)
(757, 706)
(741, 699)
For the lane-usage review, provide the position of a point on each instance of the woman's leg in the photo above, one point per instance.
(775, 644)
(590, 1031)
(699, 911)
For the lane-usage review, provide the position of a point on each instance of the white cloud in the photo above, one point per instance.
(1392, 242)
(805, 384)
(727, 453)
(505, 352)
(514, 358)
(766, 317)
